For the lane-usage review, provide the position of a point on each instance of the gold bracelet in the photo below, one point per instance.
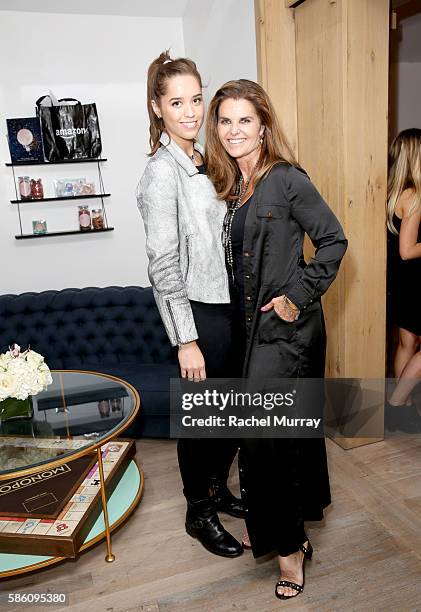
(290, 304)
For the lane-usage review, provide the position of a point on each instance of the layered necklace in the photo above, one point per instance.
(232, 207)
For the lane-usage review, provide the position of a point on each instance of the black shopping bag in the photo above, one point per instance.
(70, 130)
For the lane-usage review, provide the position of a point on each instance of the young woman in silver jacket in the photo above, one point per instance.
(183, 223)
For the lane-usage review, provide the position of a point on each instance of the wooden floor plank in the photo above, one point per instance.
(367, 550)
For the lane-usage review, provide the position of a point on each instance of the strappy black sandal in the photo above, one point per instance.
(308, 551)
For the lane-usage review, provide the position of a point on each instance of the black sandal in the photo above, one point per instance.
(308, 551)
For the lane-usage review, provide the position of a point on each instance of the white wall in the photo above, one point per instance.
(408, 95)
(405, 74)
(220, 36)
(101, 58)
(93, 58)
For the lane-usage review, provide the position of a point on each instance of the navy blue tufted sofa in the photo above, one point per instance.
(113, 330)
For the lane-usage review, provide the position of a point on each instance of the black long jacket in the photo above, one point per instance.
(285, 481)
(286, 205)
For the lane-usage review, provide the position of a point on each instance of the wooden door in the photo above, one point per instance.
(325, 65)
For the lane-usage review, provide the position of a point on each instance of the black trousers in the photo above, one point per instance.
(199, 459)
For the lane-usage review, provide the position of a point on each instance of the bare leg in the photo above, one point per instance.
(408, 345)
(246, 539)
(409, 378)
(407, 367)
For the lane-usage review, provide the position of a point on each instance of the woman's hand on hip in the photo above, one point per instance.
(283, 307)
(192, 362)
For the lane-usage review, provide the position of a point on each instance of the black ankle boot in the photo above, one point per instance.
(202, 523)
(402, 418)
(225, 501)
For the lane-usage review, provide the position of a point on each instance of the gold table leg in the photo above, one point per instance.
(110, 557)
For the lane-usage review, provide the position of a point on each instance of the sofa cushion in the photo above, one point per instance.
(98, 325)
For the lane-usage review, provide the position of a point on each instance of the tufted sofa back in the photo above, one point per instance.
(76, 328)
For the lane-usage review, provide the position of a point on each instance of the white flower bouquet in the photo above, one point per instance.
(21, 376)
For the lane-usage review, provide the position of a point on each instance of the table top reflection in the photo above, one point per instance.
(77, 413)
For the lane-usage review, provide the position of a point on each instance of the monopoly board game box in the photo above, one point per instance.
(62, 528)
(44, 494)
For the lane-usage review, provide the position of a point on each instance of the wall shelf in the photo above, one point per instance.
(68, 198)
(64, 233)
(63, 161)
(101, 195)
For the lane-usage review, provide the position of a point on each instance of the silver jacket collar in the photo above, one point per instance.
(178, 154)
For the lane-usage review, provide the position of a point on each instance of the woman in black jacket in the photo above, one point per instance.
(279, 318)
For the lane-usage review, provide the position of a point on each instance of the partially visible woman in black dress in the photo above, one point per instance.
(279, 321)
(403, 220)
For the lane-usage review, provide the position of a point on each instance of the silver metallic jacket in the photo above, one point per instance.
(183, 224)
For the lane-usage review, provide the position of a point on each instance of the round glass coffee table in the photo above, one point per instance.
(67, 478)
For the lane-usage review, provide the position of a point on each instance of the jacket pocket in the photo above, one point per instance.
(274, 329)
(271, 211)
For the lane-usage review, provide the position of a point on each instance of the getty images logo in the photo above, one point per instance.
(71, 131)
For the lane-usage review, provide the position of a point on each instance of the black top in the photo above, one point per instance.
(201, 169)
(237, 235)
(403, 280)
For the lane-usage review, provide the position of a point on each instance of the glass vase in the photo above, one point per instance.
(12, 409)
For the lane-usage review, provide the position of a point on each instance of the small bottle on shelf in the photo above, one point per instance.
(24, 188)
(37, 190)
(97, 219)
(39, 226)
(84, 218)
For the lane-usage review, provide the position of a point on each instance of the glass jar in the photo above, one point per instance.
(24, 188)
(104, 408)
(39, 226)
(97, 219)
(116, 404)
(37, 190)
(84, 218)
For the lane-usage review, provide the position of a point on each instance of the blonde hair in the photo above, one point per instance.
(404, 172)
(222, 169)
(162, 69)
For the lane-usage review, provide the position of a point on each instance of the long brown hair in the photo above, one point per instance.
(221, 167)
(162, 69)
(404, 172)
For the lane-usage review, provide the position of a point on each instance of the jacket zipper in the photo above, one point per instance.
(188, 255)
(170, 310)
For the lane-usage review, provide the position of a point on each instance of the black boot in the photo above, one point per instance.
(202, 523)
(224, 500)
(402, 418)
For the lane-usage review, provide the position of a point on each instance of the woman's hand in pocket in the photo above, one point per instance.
(283, 307)
(192, 362)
